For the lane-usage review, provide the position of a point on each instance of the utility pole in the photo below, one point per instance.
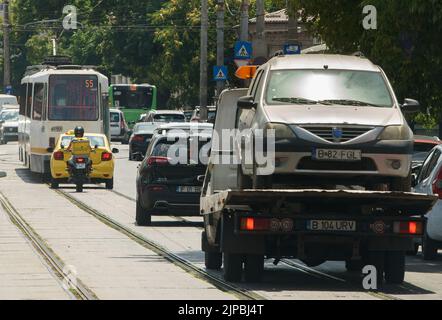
(260, 49)
(220, 42)
(203, 59)
(244, 31)
(6, 49)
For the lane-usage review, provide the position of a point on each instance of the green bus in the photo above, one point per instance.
(133, 100)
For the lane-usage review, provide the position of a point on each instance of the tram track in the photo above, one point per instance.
(187, 266)
(76, 288)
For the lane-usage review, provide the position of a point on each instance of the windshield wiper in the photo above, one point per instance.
(297, 100)
(346, 102)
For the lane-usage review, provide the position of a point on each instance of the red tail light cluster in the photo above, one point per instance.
(157, 161)
(80, 160)
(106, 156)
(59, 155)
(137, 138)
(408, 227)
(255, 224)
(437, 184)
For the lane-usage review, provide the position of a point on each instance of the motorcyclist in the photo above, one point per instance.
(79, 136)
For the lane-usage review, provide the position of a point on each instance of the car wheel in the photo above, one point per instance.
(110, 184)
(253, 267)
(394, 267)
(354, 265)
(429, 248)
(142, 217)
(54, 184)
(401, 184)
(232, 270)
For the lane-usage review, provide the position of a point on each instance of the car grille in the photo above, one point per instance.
(365, 164)
(338, 134)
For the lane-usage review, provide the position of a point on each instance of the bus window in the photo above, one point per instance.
(37, 108)
(73, 98)
(28, 100)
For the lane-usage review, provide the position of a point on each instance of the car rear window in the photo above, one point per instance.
(169, 118)
(183, 150)
(94, 141)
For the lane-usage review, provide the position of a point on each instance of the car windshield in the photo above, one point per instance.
(148, 128)
(326, 87)
(9, 116)
(169, 118)
(94, 141)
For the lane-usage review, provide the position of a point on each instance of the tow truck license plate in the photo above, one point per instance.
(337, 154)
(188, 189)
(331, 225)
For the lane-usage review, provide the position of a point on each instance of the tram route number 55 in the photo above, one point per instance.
(89, 84)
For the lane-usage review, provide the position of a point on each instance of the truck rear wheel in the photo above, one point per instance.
(395, 267)
(253, 268)
(213, 260)
(377, 259)
(232, 267)
(429, 248)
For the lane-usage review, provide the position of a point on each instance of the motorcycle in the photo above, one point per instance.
(80, 163)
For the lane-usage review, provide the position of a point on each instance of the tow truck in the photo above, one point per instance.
(243, 227)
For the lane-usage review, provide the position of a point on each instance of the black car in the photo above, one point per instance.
(170, 177)
(140, 139)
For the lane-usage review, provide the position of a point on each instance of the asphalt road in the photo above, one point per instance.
(288, 280)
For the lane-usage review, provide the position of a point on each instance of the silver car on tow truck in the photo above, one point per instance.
(337, 122)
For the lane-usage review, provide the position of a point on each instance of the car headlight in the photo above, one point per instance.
(282, 131)
(396, 133)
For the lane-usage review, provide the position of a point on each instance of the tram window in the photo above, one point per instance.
(37, 109)
(22, 100)
(73, 98)
(28, 100)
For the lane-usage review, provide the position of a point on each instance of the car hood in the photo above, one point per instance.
(308, 114)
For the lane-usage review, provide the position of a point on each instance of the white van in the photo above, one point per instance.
(6, 99)
(118, 127)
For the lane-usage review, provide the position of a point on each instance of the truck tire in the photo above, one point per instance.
(429, 248)
(232, 267)
(142, 217)
(414, 251)
(79, 187)
(354, 265)
(377, 259)
(212, 259)
(253, 267)
(394, 267)
(401, 184)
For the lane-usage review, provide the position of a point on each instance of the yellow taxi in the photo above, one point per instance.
(101, 156)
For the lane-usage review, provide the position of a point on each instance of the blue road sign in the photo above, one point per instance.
(8, 89)
(243, 50)
(292, 48)
(220, 73)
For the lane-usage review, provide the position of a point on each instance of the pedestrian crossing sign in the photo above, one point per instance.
(243, 50)
(220, 73)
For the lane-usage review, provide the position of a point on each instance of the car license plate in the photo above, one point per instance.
(188, 189)
(331, 225)
(337, 154)
(80, 166)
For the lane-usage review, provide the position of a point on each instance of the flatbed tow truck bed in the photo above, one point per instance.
(242, 227)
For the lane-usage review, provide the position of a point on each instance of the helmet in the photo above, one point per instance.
(79, 132)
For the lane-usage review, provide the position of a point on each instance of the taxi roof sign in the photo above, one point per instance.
(246, 72)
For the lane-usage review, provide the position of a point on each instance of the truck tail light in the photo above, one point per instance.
(255, 224)
(408, 227)
(157, 161)
(106, 156)
(437, 184)
(59, 155)
(80, 160)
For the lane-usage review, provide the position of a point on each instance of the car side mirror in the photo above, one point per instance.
(247, 102)
(50, 150)
(200, 178)
(410, 106)
(115, 150)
